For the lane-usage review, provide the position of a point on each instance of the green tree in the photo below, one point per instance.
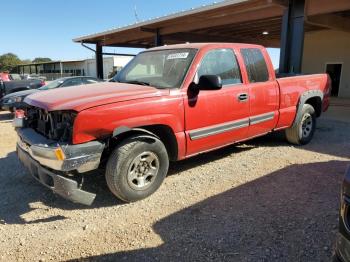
(26, 61)
(8, 62)
(41, 59)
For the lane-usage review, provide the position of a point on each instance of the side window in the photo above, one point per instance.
(256, 65)
(72, 82)
(223, 63)
(89, 81)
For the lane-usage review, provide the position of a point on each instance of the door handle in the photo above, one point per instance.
(243, 97)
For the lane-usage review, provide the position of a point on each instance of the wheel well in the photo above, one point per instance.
(163, 132)
(316, 103)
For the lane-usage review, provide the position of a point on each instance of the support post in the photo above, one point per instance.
(292, 37)
(158, 41)
(61, 69)
(99, 61)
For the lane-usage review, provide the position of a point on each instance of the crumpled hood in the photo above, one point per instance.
(78, 98)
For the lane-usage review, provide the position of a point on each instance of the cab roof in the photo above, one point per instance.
(204, 45)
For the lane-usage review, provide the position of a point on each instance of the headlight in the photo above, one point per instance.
(18, 99)
(15, 99)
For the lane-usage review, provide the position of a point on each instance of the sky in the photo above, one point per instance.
(43, 28)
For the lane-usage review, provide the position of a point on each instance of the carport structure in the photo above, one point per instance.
(272, 23)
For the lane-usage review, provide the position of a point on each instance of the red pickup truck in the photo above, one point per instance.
(169, 103)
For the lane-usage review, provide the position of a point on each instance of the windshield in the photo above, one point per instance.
(161, 69)
(53, 84)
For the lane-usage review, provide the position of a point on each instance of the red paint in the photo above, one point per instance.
(5, 77)
(103, 107)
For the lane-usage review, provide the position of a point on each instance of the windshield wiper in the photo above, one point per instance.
(136, 82)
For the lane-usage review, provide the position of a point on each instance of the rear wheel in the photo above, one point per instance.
(137, 168)
(303, 132)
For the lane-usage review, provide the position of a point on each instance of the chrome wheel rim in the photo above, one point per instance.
(143, 171)
(306, 126)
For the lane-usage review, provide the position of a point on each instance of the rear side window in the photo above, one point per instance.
(255, 64)
(90, 80)
(223, 63)
(72, 82)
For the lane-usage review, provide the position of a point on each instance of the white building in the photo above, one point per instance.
(111, 64)
(87, 67)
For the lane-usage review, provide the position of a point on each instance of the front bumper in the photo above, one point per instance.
(37, 154)
(343, 240)
(11, 106)
(63, 186)
(3, 106)
(82, 158)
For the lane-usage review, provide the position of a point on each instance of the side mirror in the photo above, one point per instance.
(209, 82)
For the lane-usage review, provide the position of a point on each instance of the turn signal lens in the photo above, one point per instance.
(19, 113)
(59, 154)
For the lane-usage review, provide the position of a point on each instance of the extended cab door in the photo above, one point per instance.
(214, 118)
(263, 91)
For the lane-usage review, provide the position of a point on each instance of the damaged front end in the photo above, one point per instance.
(56, 125)
(45, 147)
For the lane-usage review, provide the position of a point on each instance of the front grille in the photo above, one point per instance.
(55, 125)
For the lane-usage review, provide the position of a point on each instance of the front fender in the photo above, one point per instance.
(100, 122)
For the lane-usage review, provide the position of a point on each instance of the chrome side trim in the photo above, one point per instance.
(262, 118)
(218, 129)
(229, 126)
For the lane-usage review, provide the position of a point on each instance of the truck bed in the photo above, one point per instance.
(290, 89)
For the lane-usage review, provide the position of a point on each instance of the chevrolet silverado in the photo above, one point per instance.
(169, 103)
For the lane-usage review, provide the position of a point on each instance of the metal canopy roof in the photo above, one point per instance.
(52, 62)
(248, 21)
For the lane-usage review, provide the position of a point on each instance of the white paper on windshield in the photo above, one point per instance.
(177, 56)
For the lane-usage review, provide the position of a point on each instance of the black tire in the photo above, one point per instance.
(303, 131)
(123, 162)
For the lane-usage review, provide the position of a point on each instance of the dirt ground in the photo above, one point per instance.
(263, 200)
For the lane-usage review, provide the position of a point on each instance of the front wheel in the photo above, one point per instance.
(137, 168)
(303, 131)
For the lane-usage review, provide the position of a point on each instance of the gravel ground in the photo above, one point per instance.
(263, 200)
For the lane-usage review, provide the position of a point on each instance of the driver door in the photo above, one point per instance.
(215, 118)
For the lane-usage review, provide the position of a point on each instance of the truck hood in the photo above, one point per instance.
(82, 97)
